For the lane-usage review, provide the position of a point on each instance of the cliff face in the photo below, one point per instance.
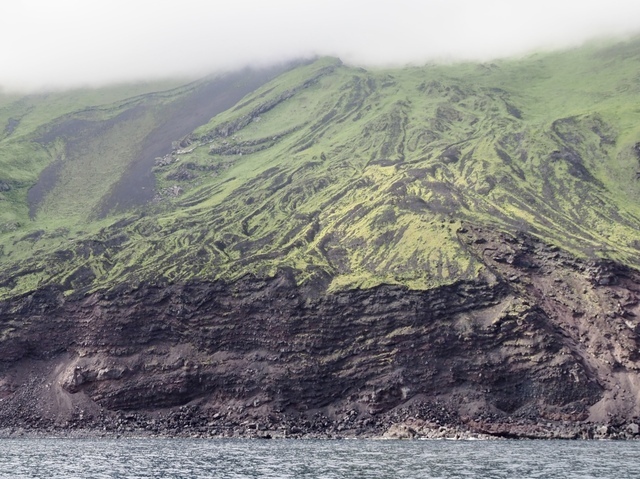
(339, 251)
(542, 339)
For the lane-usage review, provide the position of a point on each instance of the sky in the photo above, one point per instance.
(47, 44)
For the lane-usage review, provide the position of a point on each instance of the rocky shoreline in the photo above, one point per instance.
(189, 422)
(396, 432)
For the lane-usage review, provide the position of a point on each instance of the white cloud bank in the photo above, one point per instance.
(64, 43)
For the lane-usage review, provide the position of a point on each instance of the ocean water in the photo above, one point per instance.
(202, 458)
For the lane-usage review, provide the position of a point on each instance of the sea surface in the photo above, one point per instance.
(202, 458)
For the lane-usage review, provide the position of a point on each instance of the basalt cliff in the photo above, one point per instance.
(318, 250)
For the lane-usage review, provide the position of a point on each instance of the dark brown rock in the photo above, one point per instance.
(268, 358)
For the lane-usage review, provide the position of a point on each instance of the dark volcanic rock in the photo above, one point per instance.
(534, 357)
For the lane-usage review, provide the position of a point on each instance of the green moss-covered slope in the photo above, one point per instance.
(356, 177)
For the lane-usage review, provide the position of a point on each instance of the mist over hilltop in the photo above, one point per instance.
(70, 43)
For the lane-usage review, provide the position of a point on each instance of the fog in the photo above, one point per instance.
(72, 43)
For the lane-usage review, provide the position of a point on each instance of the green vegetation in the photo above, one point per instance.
(363, 177)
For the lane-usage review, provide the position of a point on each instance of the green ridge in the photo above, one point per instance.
(332, 171)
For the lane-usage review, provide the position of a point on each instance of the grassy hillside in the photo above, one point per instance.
(357, 177)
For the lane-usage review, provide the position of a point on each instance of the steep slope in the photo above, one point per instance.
(368, 176)
(451, 243)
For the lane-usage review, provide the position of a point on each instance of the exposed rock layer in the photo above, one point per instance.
(541, 345)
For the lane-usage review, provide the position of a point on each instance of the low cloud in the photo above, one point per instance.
(71, 43)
